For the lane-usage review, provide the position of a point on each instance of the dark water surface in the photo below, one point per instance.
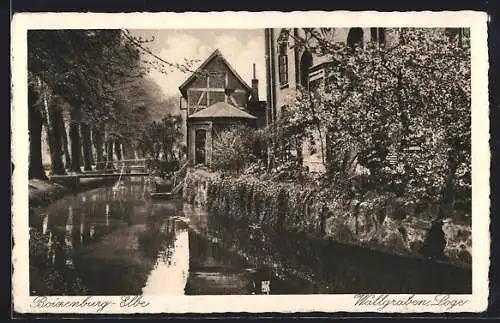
(102, 242)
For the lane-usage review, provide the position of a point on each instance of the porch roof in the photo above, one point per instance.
(221, 110)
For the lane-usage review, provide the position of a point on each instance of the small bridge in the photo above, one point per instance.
(111, 170)
(137, 164)
(119, 169)
(98, 175)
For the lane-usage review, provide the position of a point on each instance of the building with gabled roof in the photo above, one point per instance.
(215, 96)
(221, 110)
(214, 81)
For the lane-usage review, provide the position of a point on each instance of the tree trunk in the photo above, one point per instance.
(128, 151)
(35, 136)
(81, 147)
(109, 153)
(74, 136)
(50, 137)
(118, 150)
(56, 126)
(122, 149)
(97, 138)
(65, 144)
(92, 158)
(87, 147)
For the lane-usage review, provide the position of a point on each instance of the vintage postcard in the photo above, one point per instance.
(250, 162)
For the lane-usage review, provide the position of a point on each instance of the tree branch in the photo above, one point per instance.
(181, 67)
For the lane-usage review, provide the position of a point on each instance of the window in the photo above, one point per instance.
(355, 37)
(457, 35)
(199, 146)
(378, 36)
(283, 64)
(283, 70)
(402, 34)
(306, 61)
(283, 109)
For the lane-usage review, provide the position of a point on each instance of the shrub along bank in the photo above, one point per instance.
(374, 222)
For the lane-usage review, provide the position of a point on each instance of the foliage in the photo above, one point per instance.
(162, 141)
(277, 208)
(236, 147)
(151, 60)
(286, 137)
(136, 104)
(98, 77)
(160, 106)
(411, 100)
(90, 68)
(230, 149)
(84, 66)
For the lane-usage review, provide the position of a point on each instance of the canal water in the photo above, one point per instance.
(102, 242)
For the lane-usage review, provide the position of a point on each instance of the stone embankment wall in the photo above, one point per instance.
(374, 223)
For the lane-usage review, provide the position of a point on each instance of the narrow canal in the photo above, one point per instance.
(102, 242)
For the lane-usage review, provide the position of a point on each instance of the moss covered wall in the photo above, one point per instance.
(376, 223)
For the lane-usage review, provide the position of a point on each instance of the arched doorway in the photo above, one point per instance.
(355, 37)
(199, 146)
(306, 62)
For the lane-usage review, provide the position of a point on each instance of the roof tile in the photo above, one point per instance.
(221, 110)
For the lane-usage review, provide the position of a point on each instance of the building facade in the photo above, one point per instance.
(215, 97)
(289, 64)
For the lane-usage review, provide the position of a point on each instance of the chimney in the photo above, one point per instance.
(255, 86)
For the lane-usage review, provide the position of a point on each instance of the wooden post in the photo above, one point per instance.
(208, 92)
(226, 83)
(208, 144)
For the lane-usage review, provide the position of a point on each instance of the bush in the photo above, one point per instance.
(235, 148)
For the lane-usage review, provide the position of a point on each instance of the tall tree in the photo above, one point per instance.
(98, 142)
(82, 66)
(86, 146)
(86, 68)
(36, 170)
(409, 99)
(55, 124)
(65, 143)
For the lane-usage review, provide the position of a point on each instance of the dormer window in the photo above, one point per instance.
(283, 63)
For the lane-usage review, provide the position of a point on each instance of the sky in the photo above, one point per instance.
(240, 47)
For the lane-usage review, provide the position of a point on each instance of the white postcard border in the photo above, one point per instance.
(477, 301)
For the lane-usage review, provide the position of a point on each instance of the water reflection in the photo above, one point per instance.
(45, 223)
(169, 275)
(102, 242)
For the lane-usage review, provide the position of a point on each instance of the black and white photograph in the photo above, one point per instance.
(312, 160)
